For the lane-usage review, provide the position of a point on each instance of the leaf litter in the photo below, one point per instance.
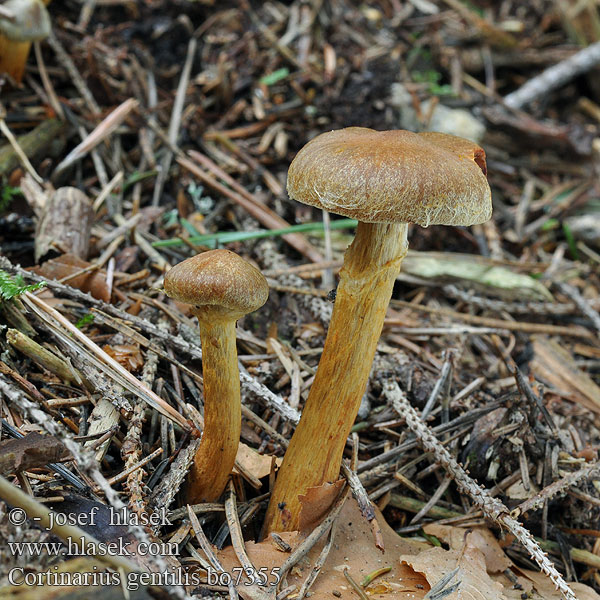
(268, 78)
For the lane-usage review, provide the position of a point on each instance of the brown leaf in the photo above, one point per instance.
(315, 504)
(67, 264)
(416, 566)
(483, 539)
(257, 464)
(553, 364)
(544, 588)
(128, 356)
(311, 330)
(29, 452)
(475, 583)
(352, 547)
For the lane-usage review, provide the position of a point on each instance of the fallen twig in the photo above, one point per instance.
(493, 508)
(180, 345)
(581, 303)
(555, 76)
(556, 487)
(61, 326)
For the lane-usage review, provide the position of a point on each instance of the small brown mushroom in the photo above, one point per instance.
(21, 22)
(222, 287)
(386, 180)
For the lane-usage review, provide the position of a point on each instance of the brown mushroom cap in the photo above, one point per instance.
(218, 278)
(393, 176)
(31, 23)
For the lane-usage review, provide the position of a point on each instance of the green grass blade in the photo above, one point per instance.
(225, 237)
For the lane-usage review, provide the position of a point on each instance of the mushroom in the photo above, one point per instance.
(386, 180)
(21, 22)
(222, 287)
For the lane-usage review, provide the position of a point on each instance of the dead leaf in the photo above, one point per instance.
(554, 365)
(545, 588)
(475, 583)
(125, 259)
(315, 504)
(416, 566)
(67, 264)
(128, 356)
(517, 491)
(257, 464)
(310, 330)
(475, 272)
(483, 435)
(535, 584)
(352, 547)
(150, 216)
(33, 450)
(483, 539)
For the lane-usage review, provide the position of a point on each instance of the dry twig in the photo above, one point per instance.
(493, 508)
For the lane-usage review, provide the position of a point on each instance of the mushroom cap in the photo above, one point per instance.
(218, 278)
(393, 176)
(32, 21)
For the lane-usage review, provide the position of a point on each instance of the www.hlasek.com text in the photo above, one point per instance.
(85, 547)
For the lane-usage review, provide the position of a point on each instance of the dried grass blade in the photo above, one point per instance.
(115, 370)
(102, 131)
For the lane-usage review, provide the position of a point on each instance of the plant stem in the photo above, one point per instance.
(43, 357)
(222, 409)
(371, 265)
(13, 57)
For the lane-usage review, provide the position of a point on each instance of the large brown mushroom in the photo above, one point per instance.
(386, 180)
(222, 287)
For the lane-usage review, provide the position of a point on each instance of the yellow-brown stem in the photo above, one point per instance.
(13, 57)
(371, 265)
(222, 410)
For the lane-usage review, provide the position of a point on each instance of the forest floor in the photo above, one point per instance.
(177, 122)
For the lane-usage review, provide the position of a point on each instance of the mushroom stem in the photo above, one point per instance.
(13, 57)
(222, 409)
(222, 287)
(21, 22)
(371, 265)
